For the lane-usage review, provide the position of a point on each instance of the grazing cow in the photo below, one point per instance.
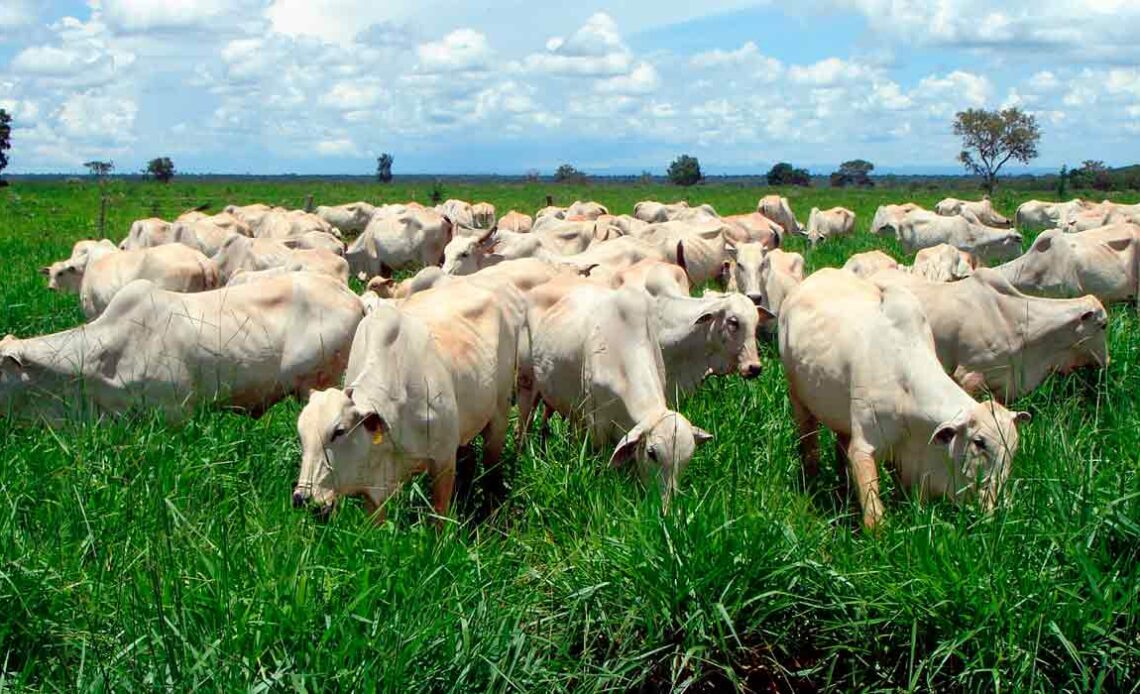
(515, 221)
(317, 239)
(147, 233)
(869, 262)
(625, 223)
(387, 288)
(412, 239)
(943, 263)
(976, 211)
(206, 234)
(765, 277)
(594, 358)
(823, 224)
(1105, 214)
(246, 347)
(252, 214)
(173, 267)
(459, 212)
(587, 209)
(876, 381)
(889, 217)
(350, 218)
(778, 210)
(484, 215)
(700, 249)
(989, 335)
(67, 275)
(290, 224)
(423, 379)
(753, 228)
(654, 276)
(1102, 262)
(921, 229)
(550, 211)
(240, 253)
(1037, 214)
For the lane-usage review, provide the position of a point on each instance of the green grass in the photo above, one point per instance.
(134, 555)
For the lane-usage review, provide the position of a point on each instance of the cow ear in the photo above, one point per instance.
(1121, 245)
(766, 314)
(45, 271)
(1022, 417)
(730, 250)
(1043, 243)
(701, 436)
(944, 434)
(626, 448)
(710, 316)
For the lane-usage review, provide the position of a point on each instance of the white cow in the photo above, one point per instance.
(860, 359)
(976, 211)
(152, 348)
(943, 263)
(411, 239)
(515, 221)
(753, 228)
(172, 266)
(147, 233)
(1103, 262)
(766, 277)
(823, 224)
(423, 379)
(1038, 214)
(868, 263)
(777, 209)
(921, 229)
(350, 218)
(594, 358)
(888, 217)
(67, 275)
(701, 249)
(989, 335)
(459, 212)
(483, 214)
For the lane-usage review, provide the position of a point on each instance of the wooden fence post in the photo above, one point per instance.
(309, 202)
(549, 200)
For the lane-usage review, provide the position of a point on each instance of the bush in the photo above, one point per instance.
(568, 174)
(853, 173)
(161, 168)
(685, 171)
(784, 174)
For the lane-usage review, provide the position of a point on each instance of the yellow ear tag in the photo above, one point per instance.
(378, 437)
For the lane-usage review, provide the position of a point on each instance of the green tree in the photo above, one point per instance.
(856, 172)
(100, 169)
(992, 138)
(568, 174)
(5, 138)
(1063, 183)
(384, 168)
(161, 168)
(685, 171)
(784, 174)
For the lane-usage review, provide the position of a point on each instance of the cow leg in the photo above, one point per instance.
(442, 485)
(866, 474)
(527, 396)
(376, 511)
(494, 439)
(464, 475)
(808, 427)
(842, 464)
(544, 428)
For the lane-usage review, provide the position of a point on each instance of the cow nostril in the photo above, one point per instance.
(752, 371)
(299, 499)
(756, 299)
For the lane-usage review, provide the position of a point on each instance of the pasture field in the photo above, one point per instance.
(135, 555)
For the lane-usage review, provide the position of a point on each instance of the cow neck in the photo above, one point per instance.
(684, 343)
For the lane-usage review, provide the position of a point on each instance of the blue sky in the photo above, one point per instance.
(503, 86)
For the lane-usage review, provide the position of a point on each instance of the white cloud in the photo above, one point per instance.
(336, 147)
(153, 15)
(746, 58)
(596, 49)
(98, 118)
(16, 14)
(352, 96)
(828, 72)
(463, 50)
(643, 79)
(334, 21)
(946, 94)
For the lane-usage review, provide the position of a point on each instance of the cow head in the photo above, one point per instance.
(731, 321)
(980, 443)
(1084, 339)
(64, 275)
(661, 446)
(746, 278)
(338, 437)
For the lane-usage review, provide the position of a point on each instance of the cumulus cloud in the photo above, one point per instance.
(596, 49)
(156, 15)
(463, 50)
(97, 117)
(829, 72)
(16, 14)
(643, 79)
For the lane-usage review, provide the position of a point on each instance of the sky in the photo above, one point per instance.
(506, 86)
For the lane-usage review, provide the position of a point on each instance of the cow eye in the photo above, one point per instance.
(337, 433)
(652, 451)
(733, 323)
(980, 443)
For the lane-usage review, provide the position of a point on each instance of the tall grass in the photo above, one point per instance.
(134, 555)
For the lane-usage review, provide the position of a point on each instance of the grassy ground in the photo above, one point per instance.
(136, 556)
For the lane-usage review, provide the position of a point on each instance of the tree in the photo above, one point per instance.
(532, 175)
(568, 174)
(1063, 183)
(162, 168)
(5, 138)
(853, 173)
(992, 138)
(384, 168)
(685, 171)
(100, 169)
(1091, 174)
(784, 174)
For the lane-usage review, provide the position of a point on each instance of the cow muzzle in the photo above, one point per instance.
(751, 370)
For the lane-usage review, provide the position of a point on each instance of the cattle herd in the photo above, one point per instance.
(590, 315)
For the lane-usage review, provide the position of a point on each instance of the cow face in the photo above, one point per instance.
(747, 259)
(732, 322)
(661, 447)
(998, 244)
(1086, 338)
(463, 254)
(337, 440)
(64, 276)
(980, 444)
